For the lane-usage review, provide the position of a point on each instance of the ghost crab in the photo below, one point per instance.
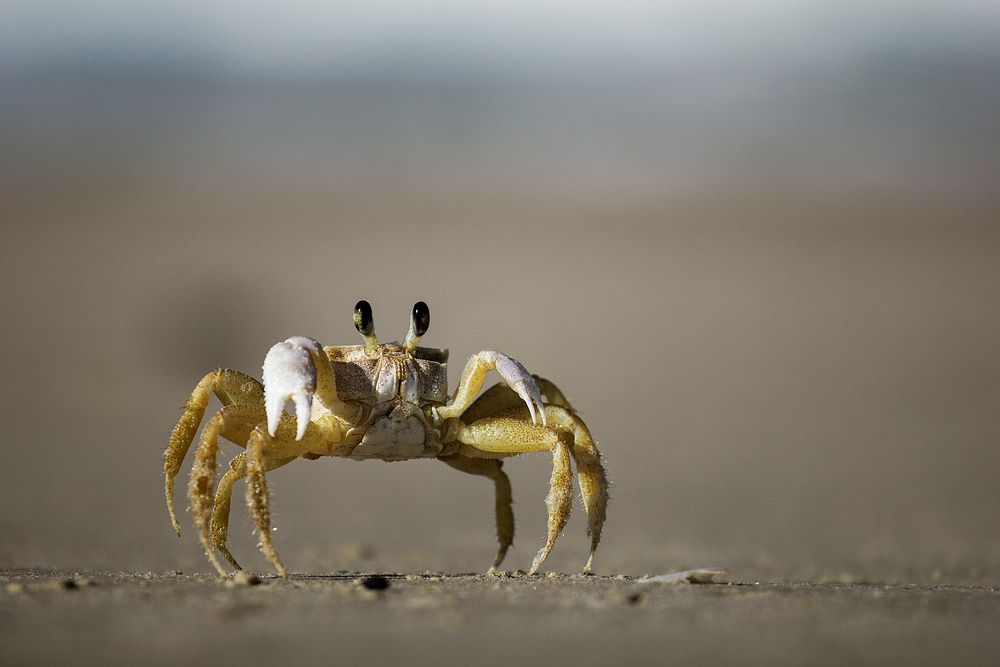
(380, 401)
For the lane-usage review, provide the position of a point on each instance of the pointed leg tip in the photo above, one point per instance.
(206, 545)
(539, 559)
(272, 556)
(218, 567)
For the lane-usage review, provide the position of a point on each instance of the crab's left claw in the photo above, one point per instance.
(513, 373)
(522, 382)
(290, 374)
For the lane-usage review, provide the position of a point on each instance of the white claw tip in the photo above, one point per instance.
(289, 374)
(274, 405)
(531, 410)
(303, 410)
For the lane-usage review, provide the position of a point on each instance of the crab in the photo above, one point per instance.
(380, 401)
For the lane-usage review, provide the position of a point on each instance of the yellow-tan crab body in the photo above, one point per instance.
(387, 402)
(394, 392)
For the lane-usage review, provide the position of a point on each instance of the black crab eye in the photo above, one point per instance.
(363, 319)
(421, 318)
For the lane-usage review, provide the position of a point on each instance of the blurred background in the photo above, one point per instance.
(756, 243)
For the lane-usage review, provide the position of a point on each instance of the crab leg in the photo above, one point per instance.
(492, 468)
(223, 501)
(261, 450)
(559, 501)
(590, 472)
(592, 478)
(228, 422)
(231, 387)
(553, 394)
(513, 373)
(506, 435)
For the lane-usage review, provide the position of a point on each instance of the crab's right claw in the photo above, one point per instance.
(523, 383)
(289, 374)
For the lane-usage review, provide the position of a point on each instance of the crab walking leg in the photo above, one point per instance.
(513, 373)
(221, 507)
(231, 387)
(492, 468)
(559, 501)
(506, 435)
(553, 394)
(223, 502)
(590, 472)
(260, 449)
(592, 478)
(228, 421)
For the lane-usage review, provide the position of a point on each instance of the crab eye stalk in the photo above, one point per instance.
(420, 321)
(363, 319)
(421, 318)
(365, 324)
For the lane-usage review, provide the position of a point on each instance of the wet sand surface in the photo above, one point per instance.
(52, 616)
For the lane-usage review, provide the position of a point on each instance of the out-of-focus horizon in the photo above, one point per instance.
(755, 243)
(827, 96)
(316, 39)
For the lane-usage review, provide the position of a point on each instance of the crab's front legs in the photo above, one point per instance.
(232, 422)
(236, 390)
(507, 436)
(513, 373)
(262, 452)
(223, 502)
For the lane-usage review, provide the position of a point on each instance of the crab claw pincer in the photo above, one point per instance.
(520, 380)
(289, 374)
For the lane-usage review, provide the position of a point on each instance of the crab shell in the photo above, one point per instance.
(396, 390)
